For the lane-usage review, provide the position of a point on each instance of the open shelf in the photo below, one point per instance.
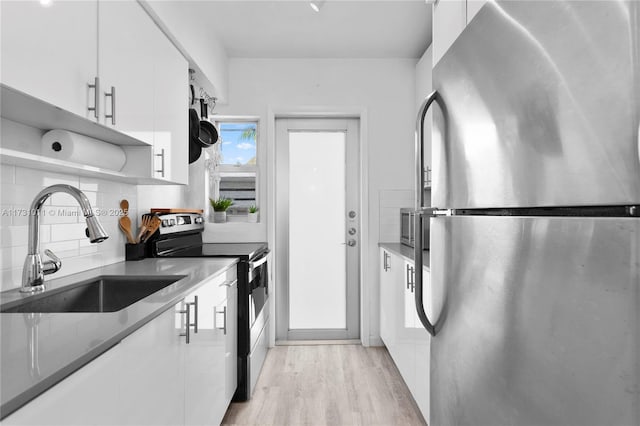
(25, 109)
(32, 161)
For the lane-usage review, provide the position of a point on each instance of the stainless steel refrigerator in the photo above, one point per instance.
(534, 303)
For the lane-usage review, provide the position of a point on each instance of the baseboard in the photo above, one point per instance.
(317, 342)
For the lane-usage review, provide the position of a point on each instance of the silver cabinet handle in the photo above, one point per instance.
(161, 155)
(419, 205)
(195, 313)
(96, 86)
(112, 95)
(224, 314)
(385, 261)
(187, 321)
(412, 277)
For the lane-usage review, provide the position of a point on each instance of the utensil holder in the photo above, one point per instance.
(134, 251)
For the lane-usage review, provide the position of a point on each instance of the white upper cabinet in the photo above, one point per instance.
(109, 62)
(126, 67)
(144, 80)
(171, 112)
(49, 52)
(450, 17)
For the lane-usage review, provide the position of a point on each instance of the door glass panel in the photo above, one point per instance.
(317, 225)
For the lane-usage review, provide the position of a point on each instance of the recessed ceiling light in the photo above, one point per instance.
(316, 4)
(46, 3)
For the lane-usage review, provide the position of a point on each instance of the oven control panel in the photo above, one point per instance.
(172, 223)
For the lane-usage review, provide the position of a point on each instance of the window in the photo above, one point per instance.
(232, 166)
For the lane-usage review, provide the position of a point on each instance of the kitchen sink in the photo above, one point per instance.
(107, 293)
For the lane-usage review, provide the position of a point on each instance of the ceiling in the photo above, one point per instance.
(342, 28)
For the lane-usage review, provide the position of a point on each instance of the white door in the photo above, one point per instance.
(317, 229)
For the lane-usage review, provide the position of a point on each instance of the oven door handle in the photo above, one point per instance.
(256, 263)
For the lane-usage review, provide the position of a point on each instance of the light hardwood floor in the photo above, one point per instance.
(327, 385)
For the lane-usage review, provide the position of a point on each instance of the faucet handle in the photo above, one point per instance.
(53, 265)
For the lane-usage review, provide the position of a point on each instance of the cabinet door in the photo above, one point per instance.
(422, 344)
(231, 341)
(405, 317)
(171, 112)
(50, 52)
(126, 63)
(152, 383)
(89, 396)
(449, 19)
(390, 280)
(205, 375)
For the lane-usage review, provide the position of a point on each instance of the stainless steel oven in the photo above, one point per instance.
(407, 218)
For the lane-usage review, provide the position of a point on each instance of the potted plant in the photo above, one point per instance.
(253, 214)
(220, 207)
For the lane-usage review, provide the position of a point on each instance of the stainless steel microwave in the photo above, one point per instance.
(406, 229)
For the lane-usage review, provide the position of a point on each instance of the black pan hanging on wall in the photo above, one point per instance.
(195, 149)
(208, 134)
(202, 134)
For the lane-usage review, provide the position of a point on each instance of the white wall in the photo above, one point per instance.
(61, 231)
(383, 89)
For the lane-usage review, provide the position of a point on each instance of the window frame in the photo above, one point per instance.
(240, 169)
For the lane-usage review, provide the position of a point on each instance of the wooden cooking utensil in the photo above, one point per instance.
(125, 225)
(124, 206)
(143, 228)
(153, 226)
(145, 223)
(125, 222)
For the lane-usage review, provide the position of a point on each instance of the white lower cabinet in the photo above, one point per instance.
(87, 397)
(400, 329)
(211, 354)
(390, 276)
(153, 376)
(152, 371)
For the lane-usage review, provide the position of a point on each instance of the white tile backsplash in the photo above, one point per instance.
(62, 227)
(61, 230)
(7, 174)
(390, 203)
(67, 231)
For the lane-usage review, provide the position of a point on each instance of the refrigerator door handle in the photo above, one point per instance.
(420, 211)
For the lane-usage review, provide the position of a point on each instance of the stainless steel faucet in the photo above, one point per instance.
(34, 268)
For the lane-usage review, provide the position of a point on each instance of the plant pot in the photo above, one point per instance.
(252, 217)
(219, 217)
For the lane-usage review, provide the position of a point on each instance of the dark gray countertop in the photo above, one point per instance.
(68, 341)
(406, 252)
